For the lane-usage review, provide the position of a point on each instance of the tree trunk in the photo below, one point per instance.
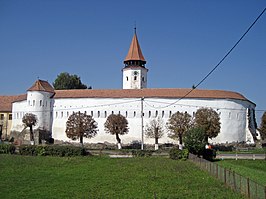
(118, 141)
(31, 136)
(180, 141)
(81, 140)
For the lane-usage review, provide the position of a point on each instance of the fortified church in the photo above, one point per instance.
(136, 102)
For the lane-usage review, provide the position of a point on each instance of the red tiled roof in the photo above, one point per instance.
(148, 93)
(6, 102)
(134, 52)
(174, 93)
(41, 85)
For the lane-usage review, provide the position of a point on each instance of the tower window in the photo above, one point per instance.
(143, 79)
(127, 78)
(40, 102)
(135, 78)
(33, 102)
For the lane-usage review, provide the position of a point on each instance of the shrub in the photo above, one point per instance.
(142, 153)
(177, 154)
(52, 150)
(7, 149)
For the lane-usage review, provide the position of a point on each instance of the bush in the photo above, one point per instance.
(195, 141)
(177, 154)
(7, 149)
(142, 153)
(52, 150)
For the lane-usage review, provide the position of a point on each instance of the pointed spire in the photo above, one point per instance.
(134, 52)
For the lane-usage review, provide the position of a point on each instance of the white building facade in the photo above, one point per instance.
(53, 107)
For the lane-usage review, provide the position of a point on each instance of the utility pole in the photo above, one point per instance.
(142, 132)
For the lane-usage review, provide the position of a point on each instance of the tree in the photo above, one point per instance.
(262, 128)
(30, 120)
(209, 120)
(66, 81)
(116, 124)
(155, 130)
(178, 124)
(195, 140)
(81, 125)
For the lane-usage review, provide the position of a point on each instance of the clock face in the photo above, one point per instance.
(136, 72)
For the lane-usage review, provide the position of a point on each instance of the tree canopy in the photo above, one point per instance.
(195, 140)
(178, 124)
(209, 120)
(81, 125)
(30, 120)
(116, 124)
(263, 126)
(155, 129)
(66, 81)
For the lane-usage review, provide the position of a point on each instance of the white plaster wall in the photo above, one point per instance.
(232, 114)
(128, 78)
(39, 103)
(18, 111)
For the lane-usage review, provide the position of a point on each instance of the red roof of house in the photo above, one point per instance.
(6, 102)
(41, 85)
(134, 52)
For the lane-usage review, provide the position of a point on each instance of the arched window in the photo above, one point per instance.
(170, 113)
(162, 113)
(134, 114)
(99, 114)
(156, 113)
(149, 114)
(92, 113)
(40, 102)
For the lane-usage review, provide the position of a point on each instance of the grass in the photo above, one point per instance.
(253, 169)
(94, 177)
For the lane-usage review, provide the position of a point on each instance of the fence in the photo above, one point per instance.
(237, 182)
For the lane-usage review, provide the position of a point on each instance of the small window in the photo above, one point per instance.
(67, 113)
(33, 102)
(99, 114)
(126, 113)
(149, 113)
(62, 114)
(85, 112)
(229, 115)
(170, 113)
(162, 113)
(112, 112)
(28, 102)
(105, 114)
(134, 113)
(156, 113)
(143, 79)
(10, 116)
(127, 78)
(56, 114)
(2, 117)
(40, 102)
(119, 112)
(135, 78)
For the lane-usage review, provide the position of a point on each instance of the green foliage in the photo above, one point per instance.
(65, 81)
(263, 126)
(177, 154)
(142, 153)
(7, 149)
(51, 150)
(195, 140)
(79, 177)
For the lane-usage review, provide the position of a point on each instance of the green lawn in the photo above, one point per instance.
(253, 169)
(93, 177)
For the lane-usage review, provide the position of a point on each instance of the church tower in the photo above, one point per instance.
(134, 72)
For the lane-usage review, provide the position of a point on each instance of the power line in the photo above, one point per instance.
(219, 63)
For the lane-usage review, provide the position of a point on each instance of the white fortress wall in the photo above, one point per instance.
(232, 114)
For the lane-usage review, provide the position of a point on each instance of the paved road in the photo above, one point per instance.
(242, 156)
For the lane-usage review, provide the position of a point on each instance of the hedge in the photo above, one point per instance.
(7, 148)
(52, 150)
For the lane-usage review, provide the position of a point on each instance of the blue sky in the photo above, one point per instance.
(181, 41)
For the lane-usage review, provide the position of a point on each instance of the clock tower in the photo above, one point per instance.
(134, 71)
